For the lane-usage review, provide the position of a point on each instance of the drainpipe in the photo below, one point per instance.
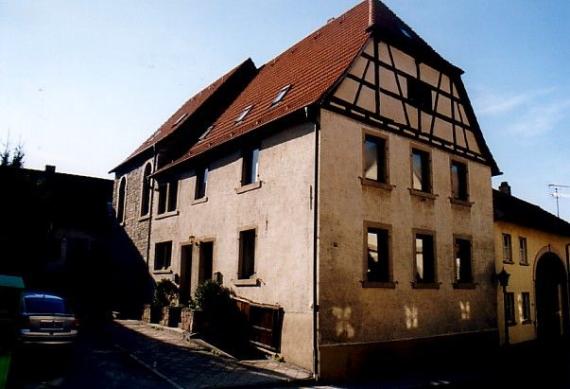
(151, 210)
(315, 245)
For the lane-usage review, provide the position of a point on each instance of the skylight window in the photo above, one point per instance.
(205, 134)
(244, 113)
(177, 122)
(406, 32)
(281, 94)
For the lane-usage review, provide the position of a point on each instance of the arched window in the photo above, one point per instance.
(146, 192)
(121, 199)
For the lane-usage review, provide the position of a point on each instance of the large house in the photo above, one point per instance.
(345, 184)
(532, 247)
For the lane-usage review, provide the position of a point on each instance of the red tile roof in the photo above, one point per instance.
(311, 67)
(185, 111)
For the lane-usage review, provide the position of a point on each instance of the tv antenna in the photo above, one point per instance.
(557, 194)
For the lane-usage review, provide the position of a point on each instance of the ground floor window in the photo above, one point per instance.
(510, 308)
(246, 266)
(525, 307)
(162, 255)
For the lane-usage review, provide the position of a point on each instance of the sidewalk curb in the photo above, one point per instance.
(147, 366)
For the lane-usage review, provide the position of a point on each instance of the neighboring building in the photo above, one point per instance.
(345, 184)
(532, 246)
(55, 228)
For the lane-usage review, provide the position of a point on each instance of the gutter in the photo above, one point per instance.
(315, 305)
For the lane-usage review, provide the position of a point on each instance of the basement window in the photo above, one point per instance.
(244, 113)
(281, 94)
(162, 255)
(419, 94)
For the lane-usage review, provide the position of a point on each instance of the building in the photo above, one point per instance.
(55, 228)
(345, 184)
(532, 246)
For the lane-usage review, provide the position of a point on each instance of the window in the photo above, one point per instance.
(525, 308)
(205, 134)
(180, 118)
(206, 261)
(167, 196)
(507, 248)
(523, 251)
(246, 266)
(121, 200)
(510, 308)
(463, 271)
(421, 174)
(201, 183)
(378, 255)
(419, 94)
(162, 255)
(375, 159)
(281, 94)
(424, 259)
(250, 166)
(459, 181)
(243, 113)
(146, 192)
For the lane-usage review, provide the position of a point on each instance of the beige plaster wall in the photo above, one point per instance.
(281, 211)
(350, 314)
(522, 277)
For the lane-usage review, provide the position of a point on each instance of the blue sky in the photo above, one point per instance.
(83, 83)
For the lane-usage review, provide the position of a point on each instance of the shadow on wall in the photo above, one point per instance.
(130, 281)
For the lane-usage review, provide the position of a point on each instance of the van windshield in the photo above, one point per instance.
(44, 305)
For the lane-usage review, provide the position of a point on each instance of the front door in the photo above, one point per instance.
(185, 273)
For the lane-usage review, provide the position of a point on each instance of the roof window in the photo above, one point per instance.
(406, 32)
(182, 117)
(205, 134)
(244, 113)
(281, 94)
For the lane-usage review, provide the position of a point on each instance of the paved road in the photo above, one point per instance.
(90, 364)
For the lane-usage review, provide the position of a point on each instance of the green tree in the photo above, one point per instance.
(12, 157)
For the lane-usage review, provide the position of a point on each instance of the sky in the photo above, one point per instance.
(83, 83)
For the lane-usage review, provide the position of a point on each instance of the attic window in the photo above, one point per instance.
(177, 122)
(406, 32)
(205, 134)
(244, 113)
(281, 94)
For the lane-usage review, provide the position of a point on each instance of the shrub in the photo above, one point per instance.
(165, 294)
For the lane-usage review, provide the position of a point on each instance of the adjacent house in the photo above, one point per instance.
(343, 189)
(532, 246)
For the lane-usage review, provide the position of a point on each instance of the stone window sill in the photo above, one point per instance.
(249, 187)
(508, 262)
(162, 271)
(425, 285)
(167, 215)
(422, 195)
(144, 218)
(200, 200)
(462, 203)
(379, 285)
(376, 184)
(246, 282)
(464, 285)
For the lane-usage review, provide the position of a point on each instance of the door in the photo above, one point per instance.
(185, 273)
(206, 261)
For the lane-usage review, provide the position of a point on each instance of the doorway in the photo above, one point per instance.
(206, 261)
(551, 298)
(185, 273)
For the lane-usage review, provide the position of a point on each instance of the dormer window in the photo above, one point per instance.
(205, 134)
(281, 94)
(244, 113)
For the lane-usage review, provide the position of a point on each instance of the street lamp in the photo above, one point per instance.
(503, 279)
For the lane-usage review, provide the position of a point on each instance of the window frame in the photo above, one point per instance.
(506, 259)
(201, 180)
(240, 273)
(384, 158)
(510, 314)
(428, 164)
(158, 245)
(457, 281)
(430, 284)
(465, 165)
(122, 203)
(146, 190)
(523, 259)
(389, 282)
(247, 158)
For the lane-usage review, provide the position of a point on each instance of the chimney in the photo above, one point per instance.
(371, 13)
(50, 169)
(505, 188)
